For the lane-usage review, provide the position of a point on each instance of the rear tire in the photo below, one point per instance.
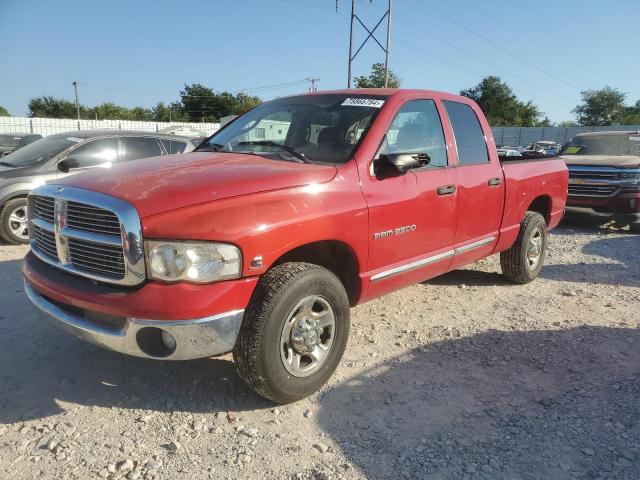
(635, 228)
(13, 222)
(294, 332)
(523, 261)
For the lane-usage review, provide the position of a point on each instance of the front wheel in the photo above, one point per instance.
(523, 261)
(294, 332)
(14, 223)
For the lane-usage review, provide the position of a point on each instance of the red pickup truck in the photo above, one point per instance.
(260, 241)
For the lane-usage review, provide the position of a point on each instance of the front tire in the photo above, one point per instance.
(14, 222)
(523, 261)
(294, 332)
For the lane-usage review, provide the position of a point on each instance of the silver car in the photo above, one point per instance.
(64, 154)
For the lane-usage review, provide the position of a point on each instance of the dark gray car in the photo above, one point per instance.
(64, 154)
(10, 142)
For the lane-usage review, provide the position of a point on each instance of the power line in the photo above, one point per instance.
(472, 72)
(480, 59)
(500, 47)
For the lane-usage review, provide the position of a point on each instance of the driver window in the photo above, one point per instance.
(417, 129)
(102, 152)
(273, 127)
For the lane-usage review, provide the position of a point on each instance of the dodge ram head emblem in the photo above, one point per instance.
(395, 231)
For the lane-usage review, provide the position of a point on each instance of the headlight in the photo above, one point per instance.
(199, 262)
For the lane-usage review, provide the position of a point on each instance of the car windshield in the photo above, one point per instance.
(615, 145)
(9, 141)
(39, 151)
(320, 128)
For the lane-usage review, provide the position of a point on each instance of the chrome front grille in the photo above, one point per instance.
(43, 207)
(87, 233)
(592, 190)
(46, 241)
(100, 259)
(92, 219)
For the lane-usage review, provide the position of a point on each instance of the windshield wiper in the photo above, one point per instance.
(270, 143)
(209, 147)
(7, 164)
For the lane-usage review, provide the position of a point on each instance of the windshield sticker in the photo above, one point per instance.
(573, 149)
(634, 139)
(74, 139)
(363, 102)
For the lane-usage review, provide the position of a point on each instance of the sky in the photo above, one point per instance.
(141, 52)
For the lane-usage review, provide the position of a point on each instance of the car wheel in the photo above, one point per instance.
(294, 332)
(14, 221)
(634, 228)
(523, 261)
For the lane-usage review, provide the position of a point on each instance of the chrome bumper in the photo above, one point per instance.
(195, 338)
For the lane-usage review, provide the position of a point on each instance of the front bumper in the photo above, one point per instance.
(198, 320)
(197, 338)
(625, 207)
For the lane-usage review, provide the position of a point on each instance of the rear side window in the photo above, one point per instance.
(141, 147)
(173, 146)
(470, 141)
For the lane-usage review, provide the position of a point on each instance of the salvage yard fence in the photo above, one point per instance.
(522, 136)
(49, 126)
(514, 136)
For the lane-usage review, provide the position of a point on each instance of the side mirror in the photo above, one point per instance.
(399, 163)
(68, 164)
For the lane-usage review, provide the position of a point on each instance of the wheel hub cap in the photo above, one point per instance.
(534, 248)
(19, 222)
(307, 336)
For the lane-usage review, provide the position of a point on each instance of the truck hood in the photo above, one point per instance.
(621, 161)
(159, 184)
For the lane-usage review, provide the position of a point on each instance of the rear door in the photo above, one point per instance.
(480, 186)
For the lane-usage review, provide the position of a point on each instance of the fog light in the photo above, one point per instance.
(168, 340)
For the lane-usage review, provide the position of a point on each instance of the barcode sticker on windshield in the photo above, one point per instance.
(363, 102)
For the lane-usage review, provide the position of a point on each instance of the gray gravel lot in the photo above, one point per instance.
(462, 377)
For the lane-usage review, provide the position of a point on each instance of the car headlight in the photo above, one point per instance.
(199, 262)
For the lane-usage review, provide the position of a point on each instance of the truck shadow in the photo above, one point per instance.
(42, 368)
(512, 405)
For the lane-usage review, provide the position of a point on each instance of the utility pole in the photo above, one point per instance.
(313, 81)
(386, 49)
(75, 86)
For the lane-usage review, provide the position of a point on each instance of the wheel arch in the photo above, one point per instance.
(542, 205)
(334, 255)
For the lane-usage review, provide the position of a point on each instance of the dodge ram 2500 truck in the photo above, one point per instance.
(260, 241)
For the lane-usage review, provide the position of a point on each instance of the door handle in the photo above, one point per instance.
(446, 190)
(493, 182)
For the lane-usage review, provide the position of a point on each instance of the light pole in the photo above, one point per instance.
(75, 86)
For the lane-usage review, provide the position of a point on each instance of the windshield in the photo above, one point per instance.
(38, 151)
(324, 128)
(615, 145)
(9, 141)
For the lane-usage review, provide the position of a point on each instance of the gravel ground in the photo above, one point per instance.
(462, 377)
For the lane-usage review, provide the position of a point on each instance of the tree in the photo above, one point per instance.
(630, 115)
(202, 104)
(169, 113)
(501, 106)
(376, 78)
(600, 107)
(568, 123)
(4, 112)
(50, 107)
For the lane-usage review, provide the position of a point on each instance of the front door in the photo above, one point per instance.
(412, 217)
